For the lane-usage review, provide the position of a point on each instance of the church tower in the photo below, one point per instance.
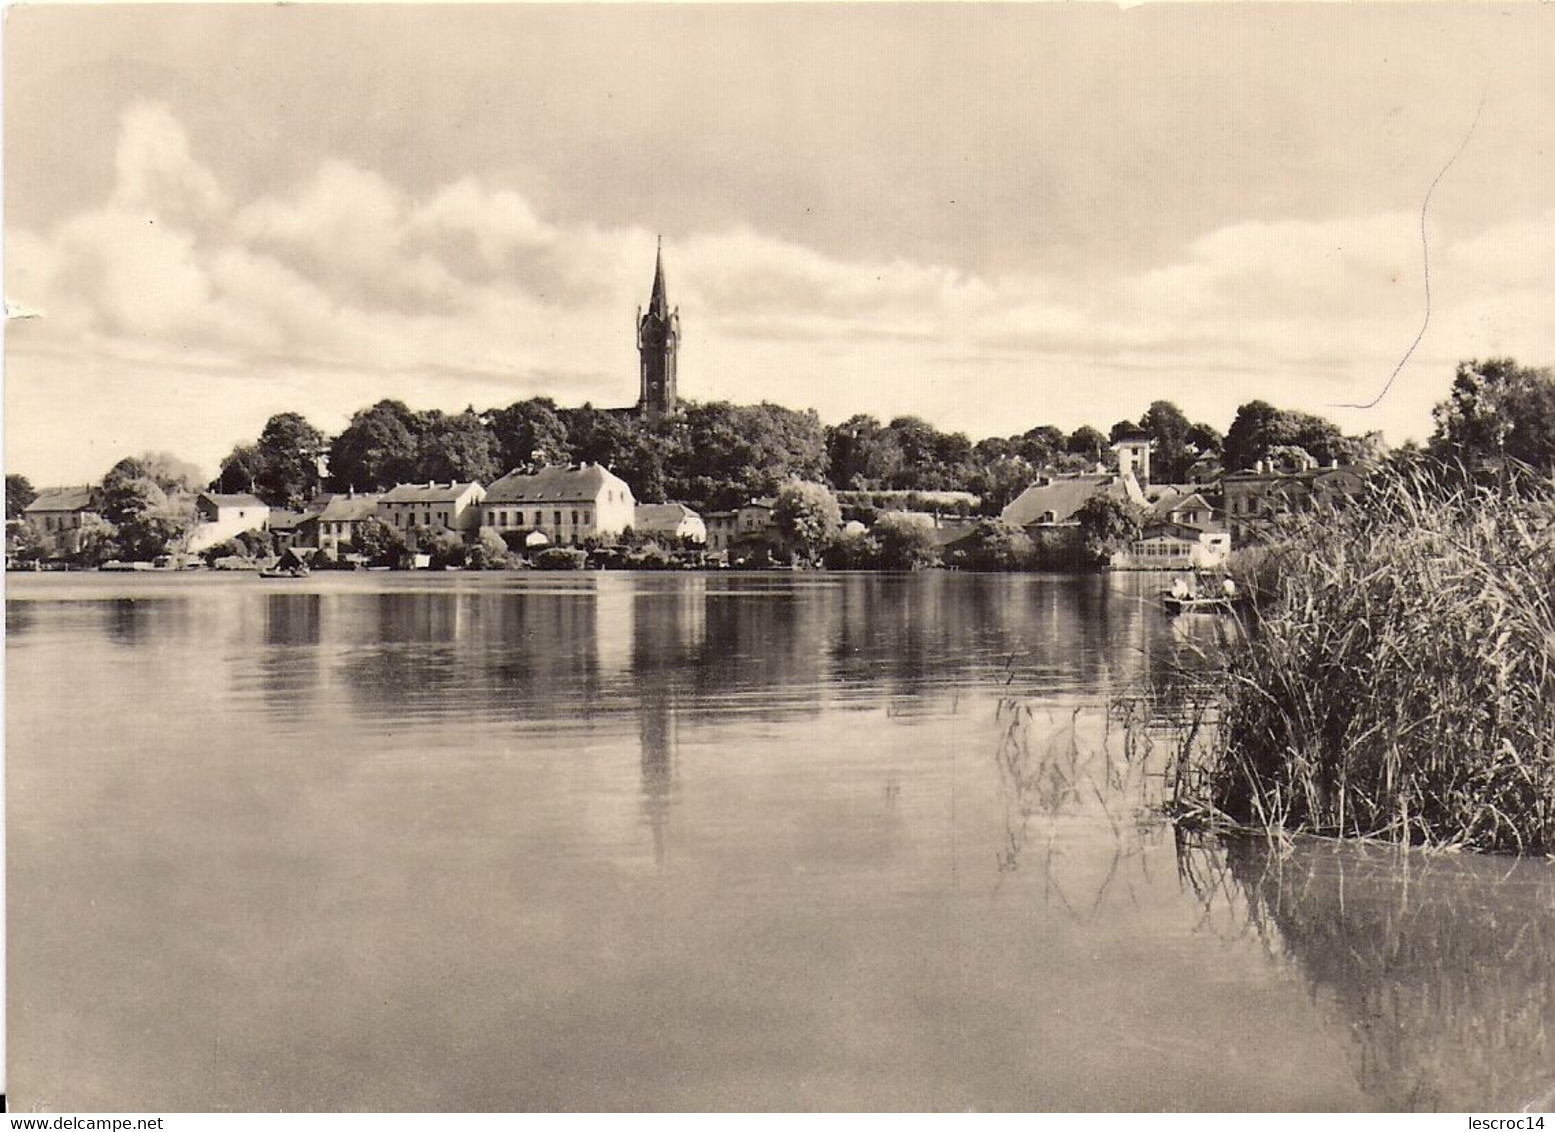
(658, 338)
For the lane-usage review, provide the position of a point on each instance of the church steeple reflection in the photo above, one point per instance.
(656, 729)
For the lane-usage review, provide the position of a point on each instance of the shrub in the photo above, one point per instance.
(995, 545)
(489, 552)
(378, 542)
(447, 549)
(905, 543)
(562, 558)
(851, 550)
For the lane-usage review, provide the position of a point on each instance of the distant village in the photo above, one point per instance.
(1158, 493)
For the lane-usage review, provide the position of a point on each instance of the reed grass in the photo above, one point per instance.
(1395, 675)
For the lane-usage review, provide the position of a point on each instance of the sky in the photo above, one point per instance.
(993, 217)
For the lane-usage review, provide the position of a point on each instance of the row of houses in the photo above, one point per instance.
(1187, 525)
(1191, 525)
(557, 505)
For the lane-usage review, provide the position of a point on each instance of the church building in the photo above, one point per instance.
(658, 340)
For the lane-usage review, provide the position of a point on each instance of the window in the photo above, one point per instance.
(537, 518)
(586, 517)
(558, 515)
(504, 518)
(575, 518)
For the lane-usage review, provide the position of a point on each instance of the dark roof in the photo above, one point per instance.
(282, 519)
(62, 499)
(1166, 498)
(661, 516)
(236, 499)
(1060, 495)
(556, 483)
(426, 493)
(349, 508)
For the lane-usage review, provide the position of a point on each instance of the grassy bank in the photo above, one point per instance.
(1396, 675)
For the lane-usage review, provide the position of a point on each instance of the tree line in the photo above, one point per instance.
(717, 455)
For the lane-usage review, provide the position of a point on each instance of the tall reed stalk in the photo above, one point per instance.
(1396, 675)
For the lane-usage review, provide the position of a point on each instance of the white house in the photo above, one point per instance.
(219, 517)
(565, 503)
(670, 521)
(432, 506)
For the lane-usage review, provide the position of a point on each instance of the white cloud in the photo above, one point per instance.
(345, 287)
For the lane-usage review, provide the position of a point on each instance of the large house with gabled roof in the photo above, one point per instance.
(432, 506)
(567, 503)
(60, 516)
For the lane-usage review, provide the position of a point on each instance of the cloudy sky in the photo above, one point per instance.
(994, 217)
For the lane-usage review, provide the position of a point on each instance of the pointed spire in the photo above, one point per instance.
(658, 302)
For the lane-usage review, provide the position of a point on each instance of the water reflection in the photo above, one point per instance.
(1441, 967)
(1055, 772)
(289, 665)
(126, 620)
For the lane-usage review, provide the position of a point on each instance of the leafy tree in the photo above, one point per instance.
(488, 552)
(447, 549)
(530, 434)
(97, 543)
(1108, 523)
(377, 450)
(239, 470)
(1041, 445)
(282, 468)
(1088, 443)
(170, 473)
(1290, 458)
(378, 542)
(19, 492)
(930, 460)
(851, 550)
(1497, 411)
(227, 548)
(806, 515)
(905, 543)
(1205, 438)
(151, 533)
(1000, 481)
(862, 454)
(1123, 429)
(28, 545)
(1164, 423)
(995, 545)
(643, 464)
(128, 491)
(458, 447)
(1256, 428)
(732, 453)
(598, 435)
(1260, 428)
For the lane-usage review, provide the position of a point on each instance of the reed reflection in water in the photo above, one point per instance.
(1441, 966)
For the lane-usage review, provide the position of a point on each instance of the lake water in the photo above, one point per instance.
(696, 841)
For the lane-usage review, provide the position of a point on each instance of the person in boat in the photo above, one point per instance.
(1181, 590)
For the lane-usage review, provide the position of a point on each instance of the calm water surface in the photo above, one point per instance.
(692, 841)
